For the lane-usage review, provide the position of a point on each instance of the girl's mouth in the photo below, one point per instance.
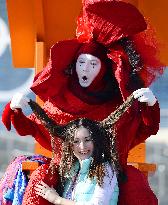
(84, 152)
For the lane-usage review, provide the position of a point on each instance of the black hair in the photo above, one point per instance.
(135, 82)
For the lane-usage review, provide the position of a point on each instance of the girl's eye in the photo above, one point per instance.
(76, 142)
(88, 140)
(93, 64)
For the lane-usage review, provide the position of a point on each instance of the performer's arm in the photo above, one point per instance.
(24, 125)
(150, 114)
(29, 125)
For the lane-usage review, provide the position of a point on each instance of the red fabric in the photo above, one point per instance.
(108, 21)
(52, 79)
(6, 116)
(136, 190)
(134, 127)
(52, 86)
(103, 22)
(121, 69)
(147, 46)
(93, 48)
(41, 173)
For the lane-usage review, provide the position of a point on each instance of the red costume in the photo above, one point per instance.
(65, 100)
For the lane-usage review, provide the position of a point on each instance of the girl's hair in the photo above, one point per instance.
(104, 149)
(101, 132)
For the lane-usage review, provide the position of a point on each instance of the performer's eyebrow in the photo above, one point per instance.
(80, 58)
(94, 61)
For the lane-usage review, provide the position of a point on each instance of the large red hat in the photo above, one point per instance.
(108, 23)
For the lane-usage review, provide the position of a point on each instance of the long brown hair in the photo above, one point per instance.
(101, 132)
(104, 149)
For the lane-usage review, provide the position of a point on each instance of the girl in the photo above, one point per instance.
(89, 166)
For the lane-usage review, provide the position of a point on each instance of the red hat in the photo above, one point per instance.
(94, 48)
(108, 21)
(100, 28)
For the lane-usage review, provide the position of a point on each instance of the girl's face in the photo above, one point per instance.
(83, 144)
(87, 68)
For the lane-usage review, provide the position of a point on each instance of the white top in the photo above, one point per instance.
(102, 195)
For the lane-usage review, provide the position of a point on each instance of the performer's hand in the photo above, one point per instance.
(145, 95)
(47, 193)
(19, 100)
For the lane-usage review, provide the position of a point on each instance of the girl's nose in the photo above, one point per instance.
(82, 145)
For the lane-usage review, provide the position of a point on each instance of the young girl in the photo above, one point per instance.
(88, 168)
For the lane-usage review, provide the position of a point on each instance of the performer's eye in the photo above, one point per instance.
(93, 63)
(81, 61)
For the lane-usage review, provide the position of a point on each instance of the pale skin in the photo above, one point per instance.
(82, 148)
(87, 68)
(51, 195)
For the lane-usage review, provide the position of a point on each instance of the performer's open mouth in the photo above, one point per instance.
(84, 78)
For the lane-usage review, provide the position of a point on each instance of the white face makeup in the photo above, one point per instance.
(87, 68)
(83, 144)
